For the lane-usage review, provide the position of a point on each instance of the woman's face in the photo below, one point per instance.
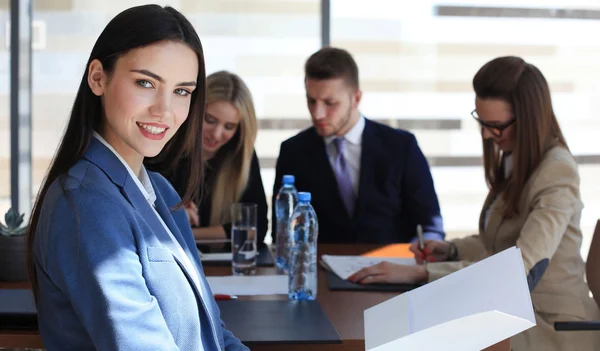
(146, 98)
(221, 121)
(497, 122)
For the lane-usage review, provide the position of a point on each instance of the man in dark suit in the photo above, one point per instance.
(370, 183)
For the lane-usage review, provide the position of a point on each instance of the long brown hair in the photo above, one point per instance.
(523, 86)
(133, 28)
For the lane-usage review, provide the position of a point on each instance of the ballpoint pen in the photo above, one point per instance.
(224, 297)
(421, 240)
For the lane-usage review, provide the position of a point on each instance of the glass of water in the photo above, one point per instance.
(243, 238)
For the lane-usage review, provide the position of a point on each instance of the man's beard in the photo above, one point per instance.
(343, 122)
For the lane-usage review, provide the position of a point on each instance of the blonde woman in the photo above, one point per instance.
(232, 171)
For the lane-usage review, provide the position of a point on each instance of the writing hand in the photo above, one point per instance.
(435, 251)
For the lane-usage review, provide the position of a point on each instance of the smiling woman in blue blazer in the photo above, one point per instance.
(112, 257)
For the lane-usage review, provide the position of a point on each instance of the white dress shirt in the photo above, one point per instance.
(352, 151)
(145, 186)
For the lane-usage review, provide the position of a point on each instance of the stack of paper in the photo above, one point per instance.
(471, 309)
(345, 266)
(249, 285)
(216, 256)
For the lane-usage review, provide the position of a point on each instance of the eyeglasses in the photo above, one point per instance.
(495, 129)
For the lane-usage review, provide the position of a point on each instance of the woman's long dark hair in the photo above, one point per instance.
(131, 29)
(524, 87)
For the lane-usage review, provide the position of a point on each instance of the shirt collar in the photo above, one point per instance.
(354, 135)
(143, 182)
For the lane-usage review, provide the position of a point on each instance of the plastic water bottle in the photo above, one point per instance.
(303, 251)
(285, 202)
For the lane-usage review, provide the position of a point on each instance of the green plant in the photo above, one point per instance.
(13, 225)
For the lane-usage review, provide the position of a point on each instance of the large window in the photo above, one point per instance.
(416, 63)
(264, 41)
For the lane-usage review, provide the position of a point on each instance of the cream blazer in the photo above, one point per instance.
(547, 227)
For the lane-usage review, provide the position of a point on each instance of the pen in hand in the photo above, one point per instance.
(421, 242)
(429, 251)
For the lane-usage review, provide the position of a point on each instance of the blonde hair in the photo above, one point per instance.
(232, 176)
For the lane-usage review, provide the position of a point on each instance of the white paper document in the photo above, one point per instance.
(345, 266)
(249, 285)
(471, 309)
(217, 256)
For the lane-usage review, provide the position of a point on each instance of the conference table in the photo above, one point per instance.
(343, 308)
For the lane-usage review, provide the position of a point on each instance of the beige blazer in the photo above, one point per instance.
(547, 227)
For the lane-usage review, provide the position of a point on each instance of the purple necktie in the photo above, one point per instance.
(342, 174)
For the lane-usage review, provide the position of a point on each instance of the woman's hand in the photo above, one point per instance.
(192, 212)
(386, 272)
(435, 251)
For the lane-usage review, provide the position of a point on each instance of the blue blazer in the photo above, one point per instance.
(109, 275)
(395, 190)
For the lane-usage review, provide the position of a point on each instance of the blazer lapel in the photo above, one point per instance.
(137, 200)
(165, 214)
(495, 216)
(102, 157)
(98, 154)
(320, 160)
(367, 165)
(484, 211)
(200, 284)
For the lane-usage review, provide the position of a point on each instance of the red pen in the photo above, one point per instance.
(223, 297)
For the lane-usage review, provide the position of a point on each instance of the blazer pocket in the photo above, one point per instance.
(560, 305)
(159, 254)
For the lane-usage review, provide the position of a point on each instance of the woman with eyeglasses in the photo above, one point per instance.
(533, 204)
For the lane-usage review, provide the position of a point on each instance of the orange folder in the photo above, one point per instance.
(392, 250)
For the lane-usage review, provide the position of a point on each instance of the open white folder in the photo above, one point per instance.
(471, 309)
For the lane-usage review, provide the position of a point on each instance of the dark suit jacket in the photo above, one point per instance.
(395, 193)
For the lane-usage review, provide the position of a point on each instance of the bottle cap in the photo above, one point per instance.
(289, 179)
(304, 197)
